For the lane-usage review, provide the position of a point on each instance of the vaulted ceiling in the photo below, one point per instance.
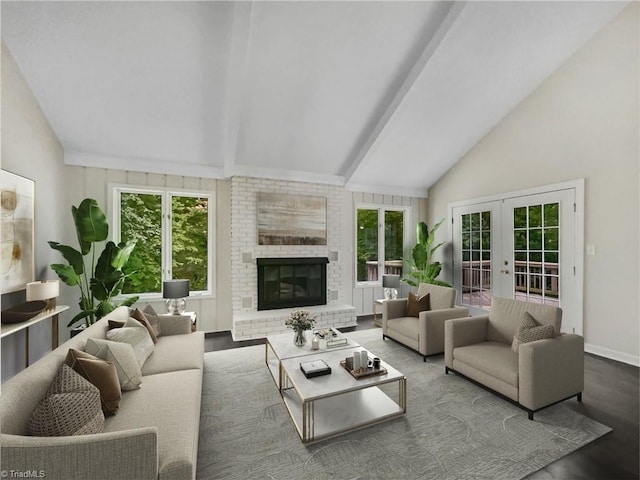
(376, 96)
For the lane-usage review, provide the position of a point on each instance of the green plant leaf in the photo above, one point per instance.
(121, 256)
(71, 255)
(420, 256)
(91, 224)
(422, 232)
(80, 316)
(67, 274)
(127, 302)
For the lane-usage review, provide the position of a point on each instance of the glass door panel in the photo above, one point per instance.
(538, 255)
(474, 229)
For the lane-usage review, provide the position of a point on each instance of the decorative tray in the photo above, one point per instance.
(364, 372)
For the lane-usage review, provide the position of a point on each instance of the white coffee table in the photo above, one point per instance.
(280, 346)
(337, 403)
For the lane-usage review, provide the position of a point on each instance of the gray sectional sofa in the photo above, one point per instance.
(154, 435)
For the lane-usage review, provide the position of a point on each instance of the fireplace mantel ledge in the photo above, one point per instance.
(258, 324)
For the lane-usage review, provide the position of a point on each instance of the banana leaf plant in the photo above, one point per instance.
(423, 268)
(99, 277)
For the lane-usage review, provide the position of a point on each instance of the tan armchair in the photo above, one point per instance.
(424, 334)
(542, 372)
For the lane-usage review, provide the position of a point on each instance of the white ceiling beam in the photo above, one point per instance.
(376, 133)
(166, 167)
(236, 81)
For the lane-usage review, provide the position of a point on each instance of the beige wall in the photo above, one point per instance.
(582, 122)
(31, 149)
(213, 311)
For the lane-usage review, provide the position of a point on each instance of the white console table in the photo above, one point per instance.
(11, 328)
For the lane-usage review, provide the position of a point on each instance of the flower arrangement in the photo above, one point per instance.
(300, 320)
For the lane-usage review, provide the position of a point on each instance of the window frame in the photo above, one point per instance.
(115, 191)
(381, 208)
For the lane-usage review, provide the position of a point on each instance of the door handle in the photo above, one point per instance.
(504, 271)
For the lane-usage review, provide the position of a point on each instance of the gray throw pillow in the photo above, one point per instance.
(135, 334)
(530, 331)
(71, 406)
(152, 317)
(123, 358)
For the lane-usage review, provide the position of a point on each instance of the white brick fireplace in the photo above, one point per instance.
(247, 321)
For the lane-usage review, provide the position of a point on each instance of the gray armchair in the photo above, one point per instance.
(424, 334)
(541, 373)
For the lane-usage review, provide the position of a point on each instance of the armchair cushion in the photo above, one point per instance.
(439, 297)
(417, 304)
(505, 315)
(530, 331)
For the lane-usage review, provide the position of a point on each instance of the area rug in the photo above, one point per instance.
(452, 430)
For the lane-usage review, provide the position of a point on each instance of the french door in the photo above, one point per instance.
(524, 246)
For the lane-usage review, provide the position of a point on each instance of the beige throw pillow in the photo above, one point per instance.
(71, 406)
(136, 335)
(123, 358)
(530, 331)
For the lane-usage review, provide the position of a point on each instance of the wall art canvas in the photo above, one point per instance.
(285, 219)
(16, 232)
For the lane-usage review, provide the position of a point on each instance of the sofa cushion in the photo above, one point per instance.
(530, 331)
(123, 358)
(100, 373)
(169, 402)
(176, 352)
(71, 406)
(493, 358)
(505, 316)
(136, 335)
(439, 297)
(417, 304)
(407, 326)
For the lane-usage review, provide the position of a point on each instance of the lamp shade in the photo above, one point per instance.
(391, 281)
(175, 289)
(43, 290)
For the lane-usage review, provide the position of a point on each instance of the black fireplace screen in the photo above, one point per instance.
(291, 282)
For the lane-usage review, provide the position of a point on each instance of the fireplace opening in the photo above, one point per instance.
(291, 282)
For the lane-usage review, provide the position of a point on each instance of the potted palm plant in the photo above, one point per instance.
(423, 268)
(98, 276)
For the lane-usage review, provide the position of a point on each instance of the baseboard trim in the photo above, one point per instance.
(612, 354)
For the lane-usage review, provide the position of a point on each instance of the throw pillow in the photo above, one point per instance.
(115, 324)
(136, 335)
(71, 406)
(152, 316)
(530, 331)
(123, 358)
(416, 304)
(100, 373)
(141, 317)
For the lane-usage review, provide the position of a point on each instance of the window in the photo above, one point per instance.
(174, 238)
(380, 235)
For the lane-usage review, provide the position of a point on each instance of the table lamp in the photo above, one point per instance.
(46, 290)
(175, 291)
(390, 283)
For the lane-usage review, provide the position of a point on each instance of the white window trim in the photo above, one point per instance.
(114, 191)
(406, 210)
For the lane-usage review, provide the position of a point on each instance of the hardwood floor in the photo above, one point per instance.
(611, 397)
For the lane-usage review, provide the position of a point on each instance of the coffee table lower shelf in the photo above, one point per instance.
(331, 416)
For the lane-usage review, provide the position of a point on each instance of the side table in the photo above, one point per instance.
(379, 301)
